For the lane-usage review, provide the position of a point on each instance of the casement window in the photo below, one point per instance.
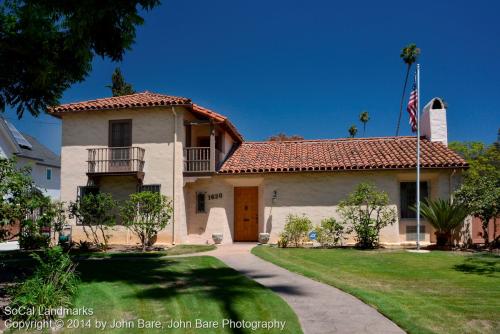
(85, 190)
(155, 188)
(201, 202)
(120, 133)
(48, 174)
(408, 196)
(411, 232)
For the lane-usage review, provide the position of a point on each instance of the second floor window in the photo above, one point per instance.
(48, 173)
(408, 193)
(120, 133)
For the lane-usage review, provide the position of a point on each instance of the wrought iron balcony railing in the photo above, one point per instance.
(115, 160)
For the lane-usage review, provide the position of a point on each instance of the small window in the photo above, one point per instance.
(201, 203)
(154, 188)
(411, 232)
(85, 190)
(408, 193)
(48, 173)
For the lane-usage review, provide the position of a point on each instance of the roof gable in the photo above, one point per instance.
(144, 100)
(29, 147)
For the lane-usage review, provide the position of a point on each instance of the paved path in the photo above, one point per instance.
(321, 308)
(9, 245)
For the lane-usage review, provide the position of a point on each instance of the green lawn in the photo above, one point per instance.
(438, 292)
(177, 288)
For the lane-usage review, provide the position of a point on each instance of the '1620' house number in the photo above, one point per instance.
(214, 196)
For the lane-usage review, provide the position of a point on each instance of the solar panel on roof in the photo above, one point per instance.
(18, 136)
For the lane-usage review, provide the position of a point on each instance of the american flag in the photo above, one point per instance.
(412, 108)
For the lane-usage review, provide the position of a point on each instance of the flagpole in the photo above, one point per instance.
(418, 156)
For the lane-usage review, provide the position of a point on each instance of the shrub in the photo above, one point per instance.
(481, 196)
(445, 216)
(41, 214)
(96, 214)
(53, 285)
(296, 229)
(16, 189)
(283, 241)
(329, 233)
(145, 214)
(366, 212)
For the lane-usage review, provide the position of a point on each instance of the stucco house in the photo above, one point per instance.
(220, 183)
(28, 151)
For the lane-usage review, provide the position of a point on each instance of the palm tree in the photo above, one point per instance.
(409, 54)
(445, 216)
(364, 117)
(353, 130)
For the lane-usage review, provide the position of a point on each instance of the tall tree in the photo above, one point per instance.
(353, 130)
(409, 54)
(364, 117)
(283, 137)
(118, 85)
(49, 45)
(480, 192)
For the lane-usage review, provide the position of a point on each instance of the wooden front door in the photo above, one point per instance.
(246, 213)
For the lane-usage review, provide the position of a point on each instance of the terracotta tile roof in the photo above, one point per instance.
(218, 118)
(141, 100)
(339, 154)
(144, 99)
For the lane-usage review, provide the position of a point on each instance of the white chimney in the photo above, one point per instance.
(433, 121)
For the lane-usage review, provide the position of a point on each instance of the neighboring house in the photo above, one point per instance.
(221, 184)
(45, 164)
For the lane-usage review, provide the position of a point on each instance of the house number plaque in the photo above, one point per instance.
(214, 196)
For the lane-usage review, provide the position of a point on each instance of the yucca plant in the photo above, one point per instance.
(445, 216)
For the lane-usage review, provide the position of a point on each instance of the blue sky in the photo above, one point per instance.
(310, 67)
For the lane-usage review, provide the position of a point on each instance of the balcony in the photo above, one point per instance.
(116, 161)
(199, 160)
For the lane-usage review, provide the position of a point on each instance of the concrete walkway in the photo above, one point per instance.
(320, 308)
(9, 246)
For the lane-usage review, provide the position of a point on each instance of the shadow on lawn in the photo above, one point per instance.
(480, 265)
(221, 284)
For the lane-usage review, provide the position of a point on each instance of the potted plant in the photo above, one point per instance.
(217, 238)
(264, 238)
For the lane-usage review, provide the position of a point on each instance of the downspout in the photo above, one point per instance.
(450, 179)
(173, 176)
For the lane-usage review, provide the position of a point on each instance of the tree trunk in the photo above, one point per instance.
(486, 235)
(442, 238)
(403, 98)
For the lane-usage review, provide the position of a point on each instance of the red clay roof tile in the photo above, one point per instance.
(141, 100)
(339, 154)
(144, 99)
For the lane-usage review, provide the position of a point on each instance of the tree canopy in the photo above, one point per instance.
(480, 192)
(483, 159)
(46, 46)
(284, 137)
(118, 85)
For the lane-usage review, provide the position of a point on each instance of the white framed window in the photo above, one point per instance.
(48, 174)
